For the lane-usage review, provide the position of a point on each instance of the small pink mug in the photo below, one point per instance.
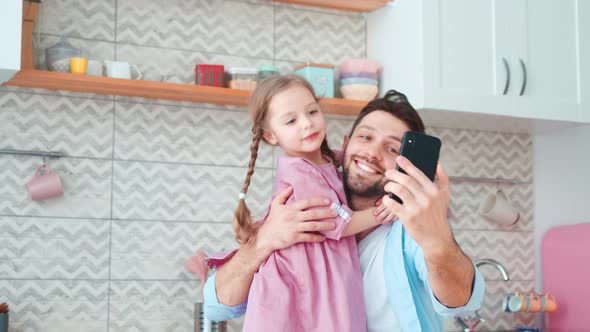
(45, 184)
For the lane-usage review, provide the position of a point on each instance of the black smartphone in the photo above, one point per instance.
(423, 151)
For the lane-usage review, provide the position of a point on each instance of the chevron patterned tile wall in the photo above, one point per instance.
(158, 250)
(53, 248)
(467, 198)
(513, 249)
(185, 134)
(337, 127)
(86, 183)
(154, 191)
(78, 127)
(227, 27)
(475, 154)
(78, 18)
(153, 305)
(301, 36)
(56, 305)
(481, 154)
(149, 182)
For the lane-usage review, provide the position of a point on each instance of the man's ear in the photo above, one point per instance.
(269, 137)
(345, 142)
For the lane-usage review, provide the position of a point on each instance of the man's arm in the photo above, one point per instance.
(451, 275)
(284, 226)
(424, 216)
(434, 279)
(233, 279)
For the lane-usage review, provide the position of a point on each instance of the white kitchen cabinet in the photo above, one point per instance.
(546, 54)
(467, 55)
(503, 57)
(10, 38)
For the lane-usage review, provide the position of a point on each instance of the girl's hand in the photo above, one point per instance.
(383, 214)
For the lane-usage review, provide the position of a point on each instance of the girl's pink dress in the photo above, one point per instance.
(309, 286)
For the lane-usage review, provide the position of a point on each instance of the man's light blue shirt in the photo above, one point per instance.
(406, 280)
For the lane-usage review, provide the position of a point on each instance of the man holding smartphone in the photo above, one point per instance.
(414, 272)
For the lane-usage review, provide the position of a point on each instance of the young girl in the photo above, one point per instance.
(308, 286)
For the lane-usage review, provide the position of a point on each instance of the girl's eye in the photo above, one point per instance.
(364, 137)
(313, 112)
(290, 121)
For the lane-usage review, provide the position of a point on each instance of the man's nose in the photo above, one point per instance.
(373, 152)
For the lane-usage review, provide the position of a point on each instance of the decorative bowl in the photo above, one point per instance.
(364, 92)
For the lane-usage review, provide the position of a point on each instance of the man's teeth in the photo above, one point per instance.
(366, 168)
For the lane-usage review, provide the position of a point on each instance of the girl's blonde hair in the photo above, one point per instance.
(259, 107)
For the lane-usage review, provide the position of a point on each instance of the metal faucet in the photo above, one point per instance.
(469, 321)
(495, 263)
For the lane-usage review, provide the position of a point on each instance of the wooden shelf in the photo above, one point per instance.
(350, 5)
(157, 90)
(32, 78)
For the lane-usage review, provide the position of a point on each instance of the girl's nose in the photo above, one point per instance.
(306, 122)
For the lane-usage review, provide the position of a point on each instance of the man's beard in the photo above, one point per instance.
(357, 186)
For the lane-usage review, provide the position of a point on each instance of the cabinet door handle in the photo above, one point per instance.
(523, 66)
(507, 76)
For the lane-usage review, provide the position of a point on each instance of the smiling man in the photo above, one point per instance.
(414, 272)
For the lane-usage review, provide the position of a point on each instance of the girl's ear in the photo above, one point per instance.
(269, 137)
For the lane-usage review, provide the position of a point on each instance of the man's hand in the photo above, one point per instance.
(284, 226)
(425, 207)
(424, 215)
(288, 225)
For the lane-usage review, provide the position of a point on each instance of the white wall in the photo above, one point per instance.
(10, 38)
(562, 183)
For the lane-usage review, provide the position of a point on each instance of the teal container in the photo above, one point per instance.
(265, 72)
(320, 76)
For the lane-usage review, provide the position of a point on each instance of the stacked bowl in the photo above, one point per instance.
(359, 79)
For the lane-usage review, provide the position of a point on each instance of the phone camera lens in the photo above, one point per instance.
(410, 141)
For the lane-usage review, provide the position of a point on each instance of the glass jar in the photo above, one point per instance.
(241, 78)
